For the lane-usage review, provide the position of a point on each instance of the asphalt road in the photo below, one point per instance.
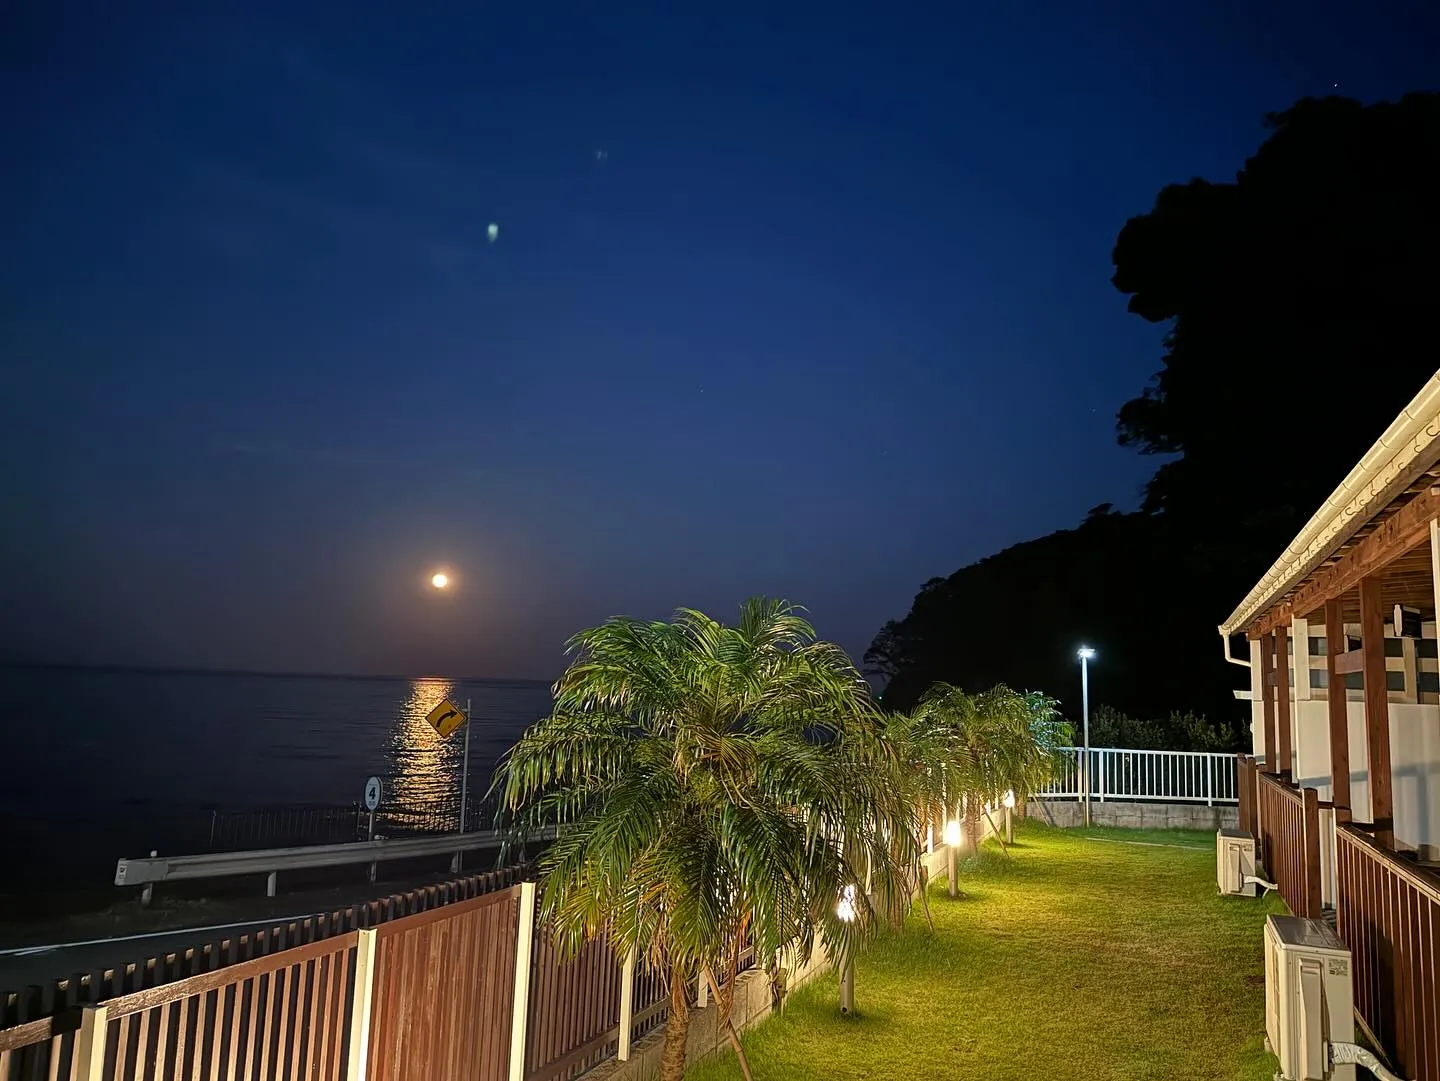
(41, 949)
(45, 962)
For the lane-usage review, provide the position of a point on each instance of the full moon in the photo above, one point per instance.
(440, 580)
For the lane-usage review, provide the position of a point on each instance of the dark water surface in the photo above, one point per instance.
(100, 763)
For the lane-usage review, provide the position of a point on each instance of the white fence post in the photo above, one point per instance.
(1104, 756)
(524, 940)
(89, 1050)
(627, 1006)
(359, 1063)
(1209, 787)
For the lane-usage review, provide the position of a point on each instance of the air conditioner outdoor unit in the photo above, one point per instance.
(1308, 999)
(1235, 863)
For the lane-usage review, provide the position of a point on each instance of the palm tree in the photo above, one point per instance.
(712, 785)
(970, 751)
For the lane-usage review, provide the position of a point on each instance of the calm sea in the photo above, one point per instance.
(100, 763)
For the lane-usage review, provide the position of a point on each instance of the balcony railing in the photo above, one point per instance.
(1159, 776)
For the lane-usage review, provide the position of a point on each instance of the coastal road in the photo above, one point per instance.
(46, 962)
(44, 949)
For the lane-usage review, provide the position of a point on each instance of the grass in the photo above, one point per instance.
(1076, 956)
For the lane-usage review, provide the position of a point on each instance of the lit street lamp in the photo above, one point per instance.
(1086, 655)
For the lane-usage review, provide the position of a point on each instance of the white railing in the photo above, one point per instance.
(1162, 776)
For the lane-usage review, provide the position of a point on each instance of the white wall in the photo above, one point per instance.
(1414, 764)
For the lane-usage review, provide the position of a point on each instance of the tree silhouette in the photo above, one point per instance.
(1300, 300)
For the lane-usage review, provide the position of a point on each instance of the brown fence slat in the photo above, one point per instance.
(1287, 841)
(1387, 913)
(574, 1011)
(438, 975)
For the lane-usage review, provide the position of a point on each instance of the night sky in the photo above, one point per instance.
(814, 305)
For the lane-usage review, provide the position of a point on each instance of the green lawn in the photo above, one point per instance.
(1076, 956)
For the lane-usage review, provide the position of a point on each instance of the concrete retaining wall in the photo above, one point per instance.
(707, 1032)
(1193, 816)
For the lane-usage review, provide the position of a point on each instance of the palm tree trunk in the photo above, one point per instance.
(677, 1028)
(723, 1001)
(972, 823)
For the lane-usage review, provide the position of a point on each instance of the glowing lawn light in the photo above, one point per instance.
(952, 848)
(845, 911)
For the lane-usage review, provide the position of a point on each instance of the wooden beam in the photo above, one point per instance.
(1285, 758)
(1347, 664)
(1339, 711)
(1267, 698)
(1377, 712)
(1392, 538)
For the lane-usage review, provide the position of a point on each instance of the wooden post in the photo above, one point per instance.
(359, 1061)
(1242, 799)
(1434, 573)
(627, 1006)
(1377, 712)
(1284, 756)
(520, 1006)
(1311, 807)
(1339, 712)
(1267, 699)
(89, 1053)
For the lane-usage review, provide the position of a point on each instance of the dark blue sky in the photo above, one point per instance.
(812, 304)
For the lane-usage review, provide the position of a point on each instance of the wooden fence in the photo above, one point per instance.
(574, 1018)
(281, 1015)
(416, 986)
(1388, 913)
(38, 1025)
(1287, 842)
(442, 987)
(1246, 779)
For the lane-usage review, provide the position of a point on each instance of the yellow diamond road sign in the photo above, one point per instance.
(445, 718)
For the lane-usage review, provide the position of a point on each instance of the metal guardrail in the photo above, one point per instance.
(1160, 776)
(148, 870)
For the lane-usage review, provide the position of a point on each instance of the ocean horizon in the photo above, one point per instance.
(297, 674)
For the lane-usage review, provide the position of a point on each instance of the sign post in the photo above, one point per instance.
(465, 768)
(445, 718)
(372, 800)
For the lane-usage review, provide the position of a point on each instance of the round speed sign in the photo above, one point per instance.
(372, 793)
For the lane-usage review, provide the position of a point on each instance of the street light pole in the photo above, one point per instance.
(1085, 653)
